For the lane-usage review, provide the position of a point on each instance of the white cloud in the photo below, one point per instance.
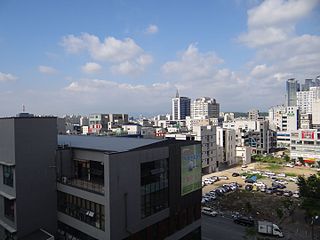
(273, 21)
(152, 29)
(7, 77)
(91, 67)
(47, 70)
(134, 67)
(192, 64)
(125, 55)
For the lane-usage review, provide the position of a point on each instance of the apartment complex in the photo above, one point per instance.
(204, 108)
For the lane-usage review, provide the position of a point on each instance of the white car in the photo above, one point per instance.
(296, 194)
(260, 184)
(209, 212)
(290, 165)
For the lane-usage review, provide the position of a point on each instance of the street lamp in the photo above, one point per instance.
(312, 222)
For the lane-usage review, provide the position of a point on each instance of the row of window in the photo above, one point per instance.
(84, 210)
(7, 175)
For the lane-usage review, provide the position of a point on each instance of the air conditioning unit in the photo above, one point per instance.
(64, 179)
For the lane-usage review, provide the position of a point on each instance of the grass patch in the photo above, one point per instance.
(290, 174)
(274, 167)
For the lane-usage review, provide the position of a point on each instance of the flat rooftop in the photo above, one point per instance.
(105, 143)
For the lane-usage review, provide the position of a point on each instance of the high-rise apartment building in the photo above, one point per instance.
(204, 108)
(292, 86)
(306, 98)
(180, 107)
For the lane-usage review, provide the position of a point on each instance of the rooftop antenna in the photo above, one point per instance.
(177, 93)
(23, 108)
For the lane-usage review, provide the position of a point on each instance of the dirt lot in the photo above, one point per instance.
(281, 210)
(304, 171)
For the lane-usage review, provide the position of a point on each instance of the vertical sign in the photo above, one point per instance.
(190, 168)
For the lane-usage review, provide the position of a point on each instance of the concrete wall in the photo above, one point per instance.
(125, 193)
(7, 154)
(35, 146)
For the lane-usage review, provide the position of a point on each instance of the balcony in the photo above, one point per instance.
(91, 186)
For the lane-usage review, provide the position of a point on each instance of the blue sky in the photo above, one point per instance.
(61, 57)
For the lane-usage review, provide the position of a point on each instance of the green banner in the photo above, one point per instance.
(190, 168)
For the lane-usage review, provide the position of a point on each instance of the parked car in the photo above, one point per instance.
(209, 212)
(278, 185)
(235, 174)
(290, 165)
(223, 178)
(260, 184)
(296, 194)
(279, 192)
(248, 187)
(287, 193)
(270, 190)
(263, 189)
(247, 221)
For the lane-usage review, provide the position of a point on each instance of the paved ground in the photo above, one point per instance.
(220, 228)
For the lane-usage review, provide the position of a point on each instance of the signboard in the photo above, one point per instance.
(307, 135)
(190, 168)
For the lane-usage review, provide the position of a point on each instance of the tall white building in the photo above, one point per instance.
(180, 107)
(306, 98)
(316, 114)
(204, 108)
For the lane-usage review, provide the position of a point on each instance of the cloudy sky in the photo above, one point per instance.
(82, 57)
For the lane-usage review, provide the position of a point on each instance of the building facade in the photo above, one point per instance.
(292, 87)
(180, 107)
(27, 177)
(204, 108)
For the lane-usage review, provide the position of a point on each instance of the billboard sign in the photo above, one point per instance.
(307, 135)
(190, 168)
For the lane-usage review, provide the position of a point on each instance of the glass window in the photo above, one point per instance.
(7, 175)
(9, 209)
(154, 187)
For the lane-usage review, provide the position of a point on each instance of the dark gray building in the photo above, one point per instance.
(127, 188)
(27, 177)
(95, 188)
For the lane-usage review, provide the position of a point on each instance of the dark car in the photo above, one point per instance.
(248, 187)
(247, 221)
(235, 174)
(278, 185)
(279, 192)
(270, 190)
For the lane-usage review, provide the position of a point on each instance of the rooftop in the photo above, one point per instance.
(105, 143)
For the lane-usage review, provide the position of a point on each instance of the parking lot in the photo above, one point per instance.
(228, 196)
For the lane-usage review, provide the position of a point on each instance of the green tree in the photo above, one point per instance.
(309, 189)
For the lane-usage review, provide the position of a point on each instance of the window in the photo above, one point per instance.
(84, 210)
(154, 187)
(9, 208)
(7, 175)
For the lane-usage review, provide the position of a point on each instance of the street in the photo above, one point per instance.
(220, 228)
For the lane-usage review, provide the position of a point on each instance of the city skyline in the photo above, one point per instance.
(118, 56)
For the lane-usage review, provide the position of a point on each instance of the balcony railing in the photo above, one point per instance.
(83, 184)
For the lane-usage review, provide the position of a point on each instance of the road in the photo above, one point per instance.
(220, 228)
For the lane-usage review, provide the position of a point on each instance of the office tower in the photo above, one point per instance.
(292, 86)
(180, 107)
(204, 108)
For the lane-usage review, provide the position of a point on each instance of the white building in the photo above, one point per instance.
(243, 154)
(316, 114)
(180, 107)
(226, 146)
(305, 144)
(204, 108)
(306, 98)
(207, 136)
(132, 129)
